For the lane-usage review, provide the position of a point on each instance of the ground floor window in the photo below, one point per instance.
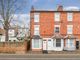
(58, 42)
(36, 43)
(53, 43)
(67, 43)
(0, 38)
(71, 43)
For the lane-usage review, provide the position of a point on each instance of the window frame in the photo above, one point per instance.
(59, 42)
(68, 29)
(57, 16)
(71, 42)
(39, 44)
(55, 28)
(69, 16)
(36, 29)
(36, 17)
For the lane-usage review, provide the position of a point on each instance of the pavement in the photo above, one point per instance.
(39, 56)
(63, 55)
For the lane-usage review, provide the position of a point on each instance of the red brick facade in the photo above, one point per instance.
(47, 23)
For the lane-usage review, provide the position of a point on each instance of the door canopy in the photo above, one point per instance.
(57, 36)
(70, 37)
(36, 37)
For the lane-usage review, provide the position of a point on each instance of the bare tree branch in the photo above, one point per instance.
(7, 9)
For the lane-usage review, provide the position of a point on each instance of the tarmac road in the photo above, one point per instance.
(39, 57)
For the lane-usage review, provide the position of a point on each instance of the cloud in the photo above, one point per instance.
(21, 19)
(72, 8)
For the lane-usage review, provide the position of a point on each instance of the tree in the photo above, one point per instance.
(7, 9)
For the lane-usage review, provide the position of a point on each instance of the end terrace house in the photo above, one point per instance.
(54, 30)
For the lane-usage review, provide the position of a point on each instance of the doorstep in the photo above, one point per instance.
(34, 52)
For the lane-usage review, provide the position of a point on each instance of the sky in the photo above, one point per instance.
(51, 4)
(20, 20)
(43, 4)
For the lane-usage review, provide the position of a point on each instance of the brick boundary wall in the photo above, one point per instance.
(13, 47)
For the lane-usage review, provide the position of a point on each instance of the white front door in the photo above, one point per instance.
(44, 45)
(49, 45)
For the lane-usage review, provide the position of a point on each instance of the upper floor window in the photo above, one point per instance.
(36, 29)
(69, 16)
(57, 16)
(57, 29)
(69, 29)
(36, 17)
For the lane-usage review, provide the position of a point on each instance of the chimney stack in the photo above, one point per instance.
(32, 8)
(60, 8)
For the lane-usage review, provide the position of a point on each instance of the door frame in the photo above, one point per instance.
(46, 39)
(58, 48)
(77, 44)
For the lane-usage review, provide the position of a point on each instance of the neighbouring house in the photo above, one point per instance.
(2, 35)
(54, 30)
(13, 31)
(12, 34)
(22, 33)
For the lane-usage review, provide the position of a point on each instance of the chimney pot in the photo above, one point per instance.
(60, 8)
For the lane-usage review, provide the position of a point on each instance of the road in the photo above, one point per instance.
(39, 57)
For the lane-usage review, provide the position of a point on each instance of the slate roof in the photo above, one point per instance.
(70, 37)
(36, 37)
(57, 36)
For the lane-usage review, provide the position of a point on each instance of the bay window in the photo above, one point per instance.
(58, 42)
(36, 43)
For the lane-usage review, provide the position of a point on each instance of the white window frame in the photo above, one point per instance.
(55, 27)
(71, 41)
(69, 16)
(36, 29)
(40, 44)
(68, 27)
(54, 41)
(57, 16)
(36, 17)
(58, 42)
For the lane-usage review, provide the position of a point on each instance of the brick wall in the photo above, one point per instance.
(47, 23)
(13, 47)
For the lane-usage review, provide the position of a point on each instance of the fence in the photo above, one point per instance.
(13, 47)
